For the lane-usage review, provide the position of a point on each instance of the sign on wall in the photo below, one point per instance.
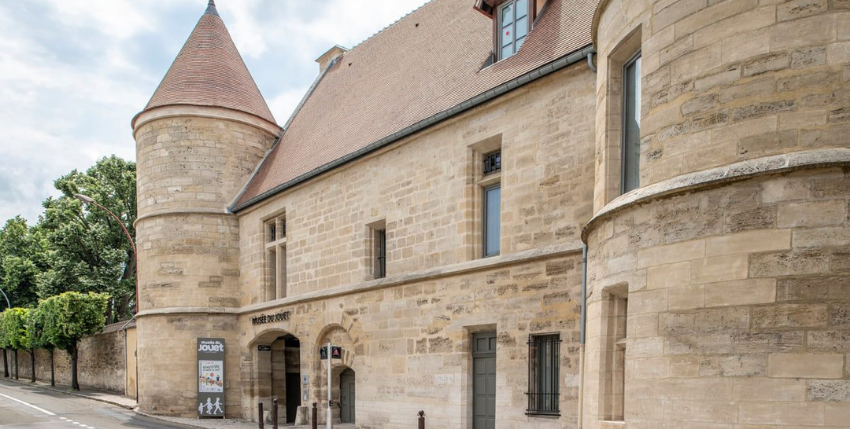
(210, 377)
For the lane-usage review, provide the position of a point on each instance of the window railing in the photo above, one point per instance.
(544, 352)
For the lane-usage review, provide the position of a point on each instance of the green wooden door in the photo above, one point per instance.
(484, 380)
(346, 401)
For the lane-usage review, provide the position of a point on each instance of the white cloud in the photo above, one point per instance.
(74, 72)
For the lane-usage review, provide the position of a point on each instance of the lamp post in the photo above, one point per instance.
(8, 305)
(90, 201)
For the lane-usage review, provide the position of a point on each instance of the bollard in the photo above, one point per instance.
(260, 419)
(315, 419)
(274, 412)
(422, 419)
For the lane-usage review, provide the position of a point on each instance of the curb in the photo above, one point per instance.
(70, 393)
(164, 418)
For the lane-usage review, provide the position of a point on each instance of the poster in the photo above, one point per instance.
(210, 377)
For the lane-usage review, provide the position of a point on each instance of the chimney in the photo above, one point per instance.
(327, 58)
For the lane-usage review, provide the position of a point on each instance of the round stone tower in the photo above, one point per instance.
(718, 286)
(197, 142)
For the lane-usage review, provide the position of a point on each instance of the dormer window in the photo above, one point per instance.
(513, 23)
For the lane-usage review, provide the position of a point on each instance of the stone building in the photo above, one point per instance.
(428, 206)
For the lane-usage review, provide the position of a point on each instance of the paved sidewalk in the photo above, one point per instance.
(99, 395)
(128, 403)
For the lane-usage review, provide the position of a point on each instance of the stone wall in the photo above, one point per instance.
(427, 190)
(737, 305)
(409, 344)
(101, 362)
(723, 81)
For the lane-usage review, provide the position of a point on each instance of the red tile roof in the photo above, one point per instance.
(209, 71)
(427, 62)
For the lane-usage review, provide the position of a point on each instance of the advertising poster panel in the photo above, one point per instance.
(210, 377)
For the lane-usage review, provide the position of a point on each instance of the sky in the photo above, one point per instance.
(73, 73)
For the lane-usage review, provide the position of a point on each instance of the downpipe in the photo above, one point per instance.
(583, 329)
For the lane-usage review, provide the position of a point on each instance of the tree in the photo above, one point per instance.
(71, 316)
(88, 251)
(4, 344)
(37, 339)
(22, 258)
(15, 327)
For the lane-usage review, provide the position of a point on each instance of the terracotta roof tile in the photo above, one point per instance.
(209, 71)
(427, 62)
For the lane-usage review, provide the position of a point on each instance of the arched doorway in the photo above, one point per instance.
(346, 396)
(277, 374)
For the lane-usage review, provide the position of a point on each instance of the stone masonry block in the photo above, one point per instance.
(824, 366)
(677, 252)
(720, 268)
(743, 292)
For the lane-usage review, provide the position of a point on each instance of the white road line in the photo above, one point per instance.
(27, 404)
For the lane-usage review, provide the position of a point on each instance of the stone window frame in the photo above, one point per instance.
(625, 51)
(614, 340)
(371, 264)
(478, 182)
(274, 256)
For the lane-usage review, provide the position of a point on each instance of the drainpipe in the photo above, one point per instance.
(583, 325)
(590, 61)
(124, 330)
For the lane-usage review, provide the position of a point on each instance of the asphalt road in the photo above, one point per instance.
(31, 407)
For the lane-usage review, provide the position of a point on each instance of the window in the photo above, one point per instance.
(631, 125)
(275, 249)
(492, 219)
(492, 162)
(513, 24)
(380, 243)
(615, 310)
(544, 352)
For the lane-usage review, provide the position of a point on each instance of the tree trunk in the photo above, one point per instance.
(5, 364)
(74, 383)
(109, 306)
(32, 364)
(52, 375)
(16, 364)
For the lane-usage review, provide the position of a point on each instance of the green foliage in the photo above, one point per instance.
(22, 258)
(71, 316)
(15, 328)
(35, 329)
(4, 336)
(76, 247)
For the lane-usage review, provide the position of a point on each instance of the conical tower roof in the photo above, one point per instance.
(209, 71)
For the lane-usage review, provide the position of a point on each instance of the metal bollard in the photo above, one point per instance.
(274, 412)
(260, 419)
(315, 419)
(422, 419)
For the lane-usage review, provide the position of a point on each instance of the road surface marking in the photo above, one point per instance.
(27, 404)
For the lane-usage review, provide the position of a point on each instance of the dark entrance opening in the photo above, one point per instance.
(286, 376)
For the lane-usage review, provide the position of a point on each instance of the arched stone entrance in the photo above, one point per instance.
(342, 381)
(277, 373)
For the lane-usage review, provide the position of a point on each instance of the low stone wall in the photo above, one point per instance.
(101, 362)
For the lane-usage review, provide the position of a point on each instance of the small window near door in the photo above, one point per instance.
(543, 368)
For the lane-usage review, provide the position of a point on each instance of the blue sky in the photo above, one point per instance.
(74, 72)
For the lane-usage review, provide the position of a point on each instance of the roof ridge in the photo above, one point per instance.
(390, 25)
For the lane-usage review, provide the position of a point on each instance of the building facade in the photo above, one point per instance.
(430, 205)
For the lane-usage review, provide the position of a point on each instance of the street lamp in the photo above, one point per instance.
(90, 201)
(8, 305)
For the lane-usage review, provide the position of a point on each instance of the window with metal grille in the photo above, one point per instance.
(492, 162)
(544, 353)
(380, 253)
